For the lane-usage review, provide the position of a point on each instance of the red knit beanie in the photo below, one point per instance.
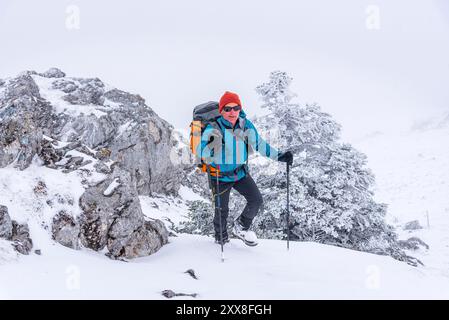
(228, 97)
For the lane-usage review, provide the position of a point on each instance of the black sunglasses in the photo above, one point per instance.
(228, 109)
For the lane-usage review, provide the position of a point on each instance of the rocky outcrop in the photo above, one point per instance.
(19, 234)
(131, 132)
(112, 218)
(89, 112)
(25, 117)
(53, 73)
(21, 238)
(82, 92)
(66, 230)
(5, 223)
(49, 154)
(68, 123)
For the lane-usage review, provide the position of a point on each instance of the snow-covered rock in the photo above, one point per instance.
(53, 73)
(114, 218)
(19, 234)
(24, 118)
(66, 230)
(21, 238)
(111, 188)
(88, 111)
(86, 151)
(5, 223)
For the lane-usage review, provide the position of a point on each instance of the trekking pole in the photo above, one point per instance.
(288, 206)
(217, 192)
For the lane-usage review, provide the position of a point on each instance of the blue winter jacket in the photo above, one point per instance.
(228, 149)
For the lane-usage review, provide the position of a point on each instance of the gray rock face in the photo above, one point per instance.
(18, 233)
(125, 98)
(144, 151)
(101, 167)
(5, 223)
(122, 124)
(49, 154)
(87, 91)
(22, 86)
(112, 217)
(21, 238)
(157, 227)
(108, 125)
(66, 86)
(136, 137)
(65, 230)
(25, 117)
(53, 73)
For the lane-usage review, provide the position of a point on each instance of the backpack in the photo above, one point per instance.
(204, 114)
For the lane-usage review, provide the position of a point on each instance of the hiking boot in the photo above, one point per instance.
(247, 236)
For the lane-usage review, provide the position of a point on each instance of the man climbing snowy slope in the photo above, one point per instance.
(225, 146)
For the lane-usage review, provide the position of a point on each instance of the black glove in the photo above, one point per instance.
(286, 157)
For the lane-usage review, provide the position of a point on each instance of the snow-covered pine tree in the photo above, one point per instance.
(330, 191)
(199, 219)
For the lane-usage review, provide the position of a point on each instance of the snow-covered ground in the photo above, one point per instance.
(269, 271)
(412, 177)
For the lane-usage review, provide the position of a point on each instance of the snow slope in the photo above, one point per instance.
(268, 271)
(307, 271)
(412, 177)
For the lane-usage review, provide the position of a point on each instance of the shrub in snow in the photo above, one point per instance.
(412, 225)
(413, 243)
(199, 219)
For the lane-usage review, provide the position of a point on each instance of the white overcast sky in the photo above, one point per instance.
(177, 53)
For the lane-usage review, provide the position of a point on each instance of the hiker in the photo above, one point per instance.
(225, 146)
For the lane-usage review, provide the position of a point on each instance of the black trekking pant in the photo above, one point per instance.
(248, 189)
